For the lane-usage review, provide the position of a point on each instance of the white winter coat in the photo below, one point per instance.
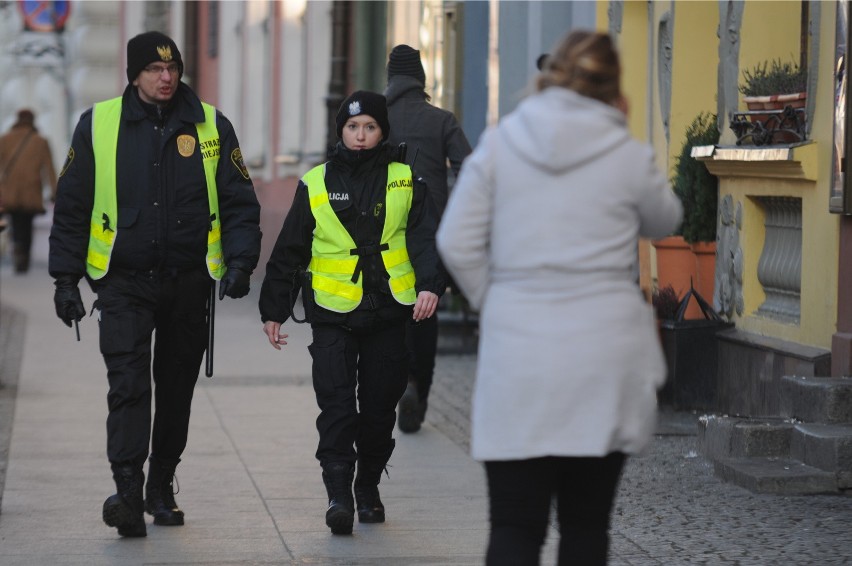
(541, 235)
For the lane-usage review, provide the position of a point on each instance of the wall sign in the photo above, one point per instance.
(45, 16)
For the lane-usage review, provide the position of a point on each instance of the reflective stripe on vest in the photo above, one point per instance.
(106, 119)
(333, 251)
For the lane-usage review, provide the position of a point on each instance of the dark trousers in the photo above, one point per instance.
(520, 494)
(359, 374)
(134, 306)
(422, 341)
(22, 238)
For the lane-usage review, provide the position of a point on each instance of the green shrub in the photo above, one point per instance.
(694, 185)
(779, 78)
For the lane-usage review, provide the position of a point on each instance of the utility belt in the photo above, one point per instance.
(375, 301)
(157, 272)
(302, 282)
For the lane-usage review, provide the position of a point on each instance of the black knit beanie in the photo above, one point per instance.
(405, 60)
(364, 102)
(150, 47)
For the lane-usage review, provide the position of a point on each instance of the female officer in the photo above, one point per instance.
(364, 232)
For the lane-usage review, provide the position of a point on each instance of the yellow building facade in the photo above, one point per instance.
(778, 275)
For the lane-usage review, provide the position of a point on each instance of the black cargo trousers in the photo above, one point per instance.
(135, 306)
(422, 339)
(359, 374)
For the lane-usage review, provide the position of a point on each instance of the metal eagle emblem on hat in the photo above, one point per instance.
(355, 108)
(165, 52)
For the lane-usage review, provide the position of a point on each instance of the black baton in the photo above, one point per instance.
(211, 317)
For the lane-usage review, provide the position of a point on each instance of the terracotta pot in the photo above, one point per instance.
(705, 258)
(776, 102)
(676, 266)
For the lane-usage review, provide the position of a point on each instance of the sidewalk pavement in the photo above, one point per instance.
(252, 490)
(249, 482)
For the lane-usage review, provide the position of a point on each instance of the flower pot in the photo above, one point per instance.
(775, 101)
(774, 122)
(705, 258)
(676, 266)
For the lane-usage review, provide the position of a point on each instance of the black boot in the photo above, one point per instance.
(409, 409)
(160, 495)
(367, 501)
(337, 477)
(124, 510)
(22, 261)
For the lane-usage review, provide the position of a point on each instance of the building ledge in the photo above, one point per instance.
(795, 162)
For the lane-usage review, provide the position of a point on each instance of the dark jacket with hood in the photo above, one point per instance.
(360, 179)
(163, 213)
(432, 135)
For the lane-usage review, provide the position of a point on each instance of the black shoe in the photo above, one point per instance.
(120, 514)
(340, 515)
(409, 410)
(369, 505)
(124, 509)
(160, 495)
(162, 506)
(339, 518)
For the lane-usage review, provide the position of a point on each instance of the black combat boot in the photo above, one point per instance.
(22, 261)
(124, 510)
(337, 477)
(367, 501)
(409, 409)
(160, 494)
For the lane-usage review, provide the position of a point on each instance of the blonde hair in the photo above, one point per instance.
(585, 62)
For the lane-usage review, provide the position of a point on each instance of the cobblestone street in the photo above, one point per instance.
(672, 510)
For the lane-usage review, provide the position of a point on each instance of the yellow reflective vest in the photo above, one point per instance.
(106, 118)
(334, 254)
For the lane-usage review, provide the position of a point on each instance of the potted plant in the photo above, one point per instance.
(689, 257)
(781, 89)
(698, 190)
(774, 85)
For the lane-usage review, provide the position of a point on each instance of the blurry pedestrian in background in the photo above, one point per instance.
(433, 137)
(154, 205)
(26, 167)
(540, 234)
(363, 228)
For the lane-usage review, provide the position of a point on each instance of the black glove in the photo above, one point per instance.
(69, 305)
(235, 283)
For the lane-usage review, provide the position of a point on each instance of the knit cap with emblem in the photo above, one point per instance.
(365, 102)
(151, 47)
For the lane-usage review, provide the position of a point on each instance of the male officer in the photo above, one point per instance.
(153, 201)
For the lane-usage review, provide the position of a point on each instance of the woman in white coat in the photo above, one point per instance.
(541, 234)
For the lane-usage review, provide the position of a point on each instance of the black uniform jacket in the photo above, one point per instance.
(163, 213)
(357, 181)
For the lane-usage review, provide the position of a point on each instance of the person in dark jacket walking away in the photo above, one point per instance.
(364, 230)
(26, 166)
(153, 201)
(433, 137)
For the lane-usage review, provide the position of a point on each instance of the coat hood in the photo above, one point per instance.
(400, 85)
(558, 129)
